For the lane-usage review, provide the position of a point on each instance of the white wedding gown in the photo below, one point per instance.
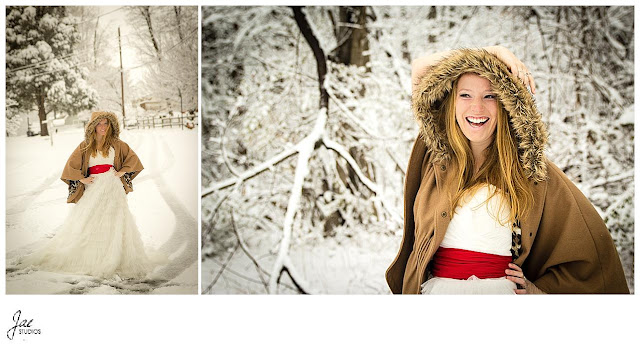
(475, 227)
(99, 237)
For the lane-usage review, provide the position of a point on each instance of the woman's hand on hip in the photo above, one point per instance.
(515, 274)
(87, 180)
(119, 173)
(515, 65)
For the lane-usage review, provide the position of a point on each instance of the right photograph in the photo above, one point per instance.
(417, 150)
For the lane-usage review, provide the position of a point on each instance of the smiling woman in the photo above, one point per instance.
(483, 206)
(476, 110)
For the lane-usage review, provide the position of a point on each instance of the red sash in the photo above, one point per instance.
(462, 264)
(99, 169)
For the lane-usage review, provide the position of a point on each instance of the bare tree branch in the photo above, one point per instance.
(365, 180)
(601, 182)
(245, 249)
(222, 148)
(236, 273)
(305, 148)
(346, 112)
(298, 281)
(252, 172)
(398, 165)
(214, 212)
(206, 291)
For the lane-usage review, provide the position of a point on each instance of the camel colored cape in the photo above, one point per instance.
(77, 168)
(563, 245)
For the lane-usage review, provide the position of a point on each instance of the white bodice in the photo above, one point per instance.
(99, 159)
(474, 225)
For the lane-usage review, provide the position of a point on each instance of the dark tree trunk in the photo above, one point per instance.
(145, 11)
(352, 38)
(95, 45)
(321, 60)
(42, 114)
(177, 9)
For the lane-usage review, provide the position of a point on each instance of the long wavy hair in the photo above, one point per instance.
(501, 166)
(94, 146)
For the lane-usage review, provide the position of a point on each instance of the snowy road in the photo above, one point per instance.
(164, 203)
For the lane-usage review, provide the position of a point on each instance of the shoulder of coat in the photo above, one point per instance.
(82, 146)
(121, 144)
(554, 172)
(559, 182)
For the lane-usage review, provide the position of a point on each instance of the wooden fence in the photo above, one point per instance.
(163, 122)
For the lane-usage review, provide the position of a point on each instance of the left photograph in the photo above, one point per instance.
(102, 150)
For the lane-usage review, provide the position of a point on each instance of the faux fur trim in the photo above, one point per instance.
(524, 117)
(95, 119)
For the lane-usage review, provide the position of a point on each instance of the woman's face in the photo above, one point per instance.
(102, 127)
(476, 109)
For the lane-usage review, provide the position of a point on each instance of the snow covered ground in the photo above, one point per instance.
(164, 203)
(329, 266)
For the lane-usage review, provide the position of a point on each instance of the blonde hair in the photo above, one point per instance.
(94, 146)
(501, 167)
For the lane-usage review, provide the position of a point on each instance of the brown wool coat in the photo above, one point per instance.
(565, 245)
(77, 166)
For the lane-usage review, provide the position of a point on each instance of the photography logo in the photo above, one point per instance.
(21, 326)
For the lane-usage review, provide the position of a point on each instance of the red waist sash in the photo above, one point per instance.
(99, 169)
(462, 264)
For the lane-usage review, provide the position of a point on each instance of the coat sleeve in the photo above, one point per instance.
(131, 165)
(72, 173)
(573, 251)
(130, 162)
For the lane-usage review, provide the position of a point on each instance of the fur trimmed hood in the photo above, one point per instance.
(524, 117)
(96, 117)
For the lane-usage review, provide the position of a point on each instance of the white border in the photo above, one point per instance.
(318, 322)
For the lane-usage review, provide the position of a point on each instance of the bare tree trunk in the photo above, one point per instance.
(42, 113)
(95, 45)
(351, 34)
(433, 13)
(321, 60)
(177, 10)
(145, 11)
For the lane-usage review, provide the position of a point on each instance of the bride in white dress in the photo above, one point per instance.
(99, 237)
(479, 225)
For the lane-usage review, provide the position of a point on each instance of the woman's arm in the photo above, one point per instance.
(130, 161)
(73, 168)
(420, 66)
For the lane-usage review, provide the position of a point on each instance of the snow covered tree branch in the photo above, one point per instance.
(305, 148)
(252, 172)
(330, 144)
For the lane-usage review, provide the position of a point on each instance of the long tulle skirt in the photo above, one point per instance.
(472, 285)
(98, 238)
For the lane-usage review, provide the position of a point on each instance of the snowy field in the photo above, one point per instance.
(164, 203)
